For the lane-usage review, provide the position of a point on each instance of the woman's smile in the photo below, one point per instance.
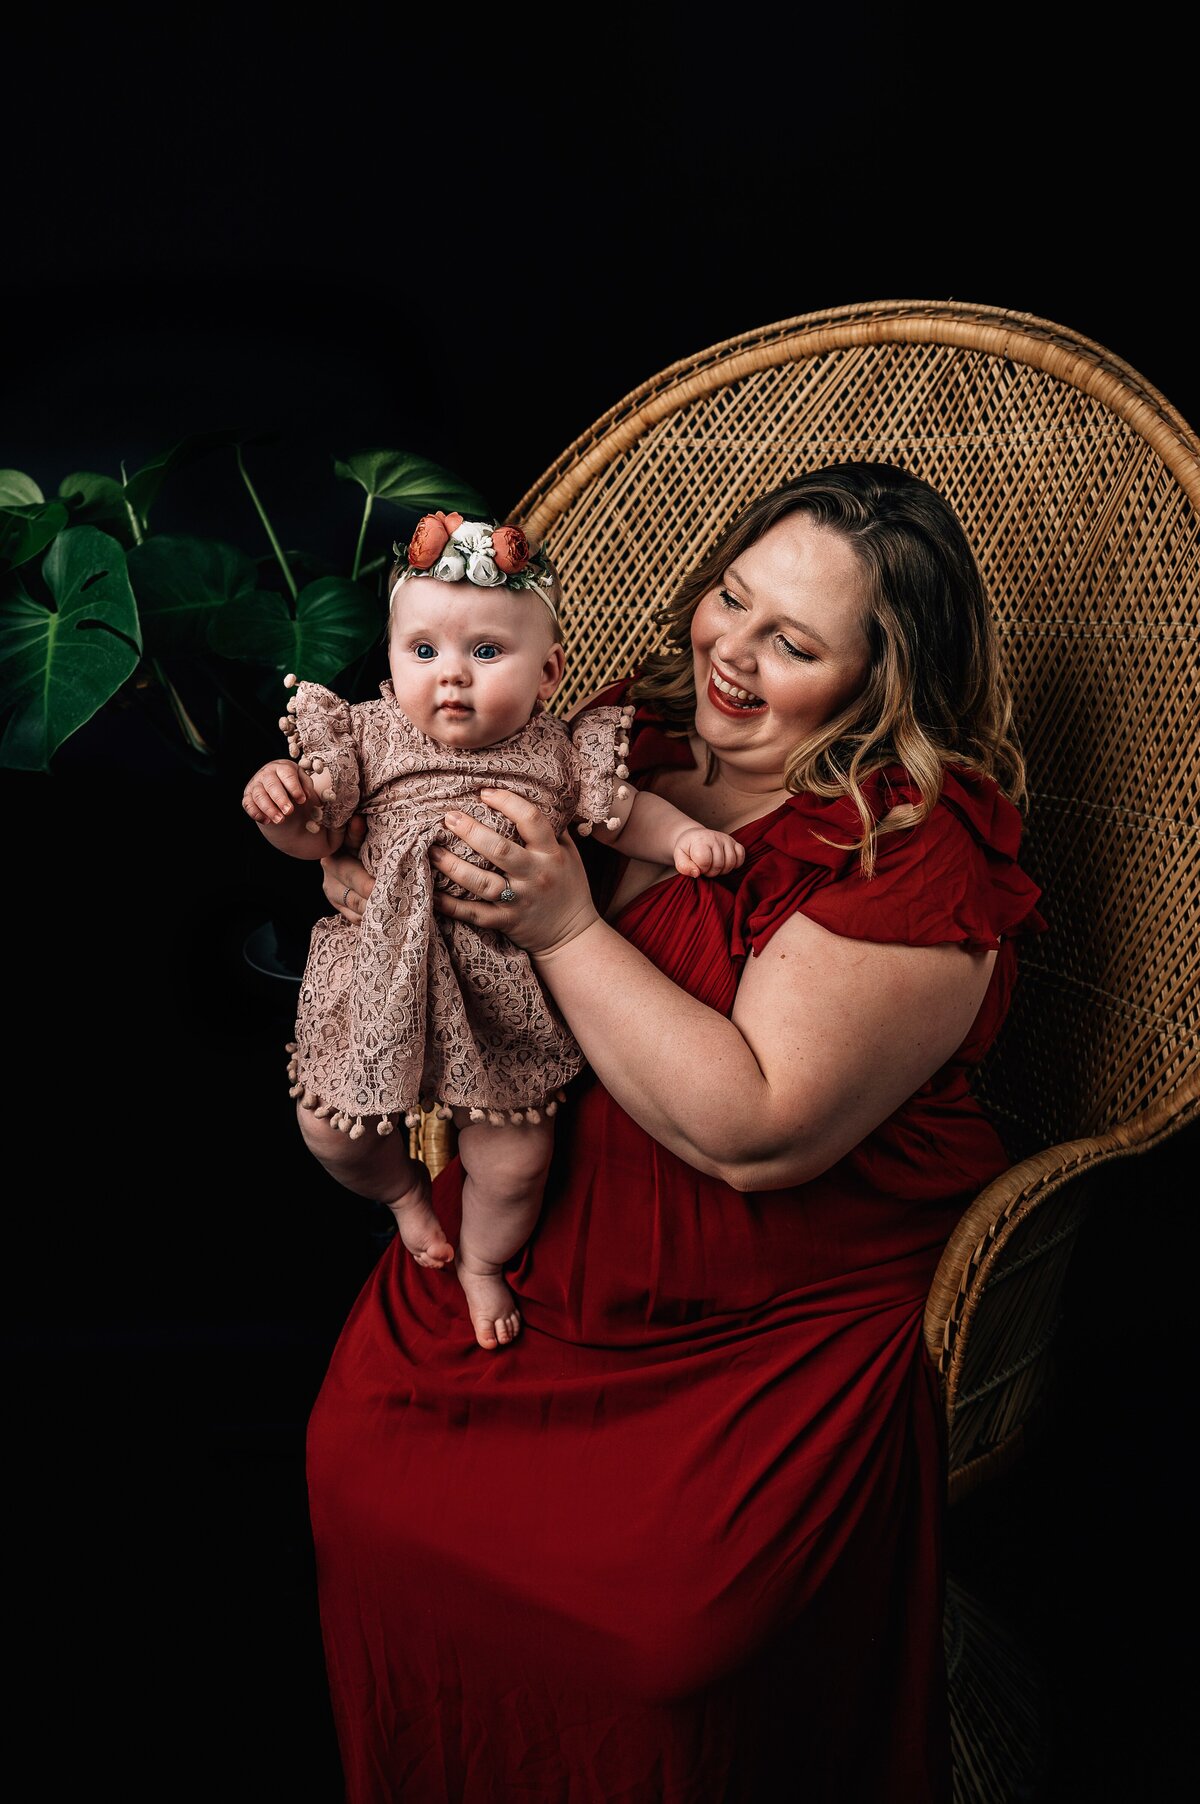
(725, 694)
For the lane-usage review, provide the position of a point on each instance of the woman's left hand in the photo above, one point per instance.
(553, 903)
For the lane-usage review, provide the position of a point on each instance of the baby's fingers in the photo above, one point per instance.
(685, 864)
(274, 791)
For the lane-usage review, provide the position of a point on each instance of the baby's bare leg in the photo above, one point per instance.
(380, 1166)
(504, 1176)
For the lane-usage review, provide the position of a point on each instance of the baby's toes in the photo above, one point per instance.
(508, 1327)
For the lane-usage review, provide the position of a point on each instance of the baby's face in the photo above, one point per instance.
(469, 665)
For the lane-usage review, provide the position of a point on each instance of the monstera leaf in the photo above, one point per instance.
(414, 482)
(124, 505)
(28, 521)
(59, 665)
(183, 585)
(96, 500)
(335, 621)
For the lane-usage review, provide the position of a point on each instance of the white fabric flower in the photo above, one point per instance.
(472, 535)
(450, 568)
(484, 570)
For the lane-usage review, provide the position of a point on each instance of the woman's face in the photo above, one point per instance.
(780, 645)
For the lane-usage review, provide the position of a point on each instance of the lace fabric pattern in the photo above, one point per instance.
(408, 1009)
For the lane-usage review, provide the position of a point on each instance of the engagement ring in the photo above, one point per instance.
(507, 894)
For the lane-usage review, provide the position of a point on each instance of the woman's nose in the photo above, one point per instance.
(733, 648)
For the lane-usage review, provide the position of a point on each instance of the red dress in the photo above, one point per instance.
(681, 1544)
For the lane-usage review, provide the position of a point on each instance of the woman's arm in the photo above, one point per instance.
(828, 1035)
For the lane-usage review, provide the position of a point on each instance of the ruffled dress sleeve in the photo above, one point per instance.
(953, 879)
(321, 737)
(600, 742)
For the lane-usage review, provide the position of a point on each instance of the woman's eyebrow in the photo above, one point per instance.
(800, 626)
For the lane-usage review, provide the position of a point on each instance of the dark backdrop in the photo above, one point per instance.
(469, 244)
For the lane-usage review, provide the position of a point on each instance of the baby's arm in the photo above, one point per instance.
(284, 803)
(659, 833)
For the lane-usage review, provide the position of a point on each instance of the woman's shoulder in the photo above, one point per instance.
(952, 876)
(970, 809)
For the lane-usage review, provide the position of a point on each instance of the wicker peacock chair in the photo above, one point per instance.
(1079, 485)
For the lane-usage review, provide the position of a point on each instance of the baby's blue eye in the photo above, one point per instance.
(425, 651)
(487, 652)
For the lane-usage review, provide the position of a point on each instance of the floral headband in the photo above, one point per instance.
(451, 549)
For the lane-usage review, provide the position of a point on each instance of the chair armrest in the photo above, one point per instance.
(993, 1305)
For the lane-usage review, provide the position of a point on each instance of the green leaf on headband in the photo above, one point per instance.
(412, 482)
(59, 665)
(336, 621)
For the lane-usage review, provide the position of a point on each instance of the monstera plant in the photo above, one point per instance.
(98, 610)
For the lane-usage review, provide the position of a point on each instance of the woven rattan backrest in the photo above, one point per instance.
(1079, 487)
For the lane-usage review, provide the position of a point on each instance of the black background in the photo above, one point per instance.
(467, 240)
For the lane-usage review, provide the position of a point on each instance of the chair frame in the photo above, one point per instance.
(1006, 1260)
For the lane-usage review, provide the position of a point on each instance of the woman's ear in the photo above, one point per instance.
(552, 672)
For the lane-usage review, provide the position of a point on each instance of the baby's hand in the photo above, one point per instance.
(699, 852)
(276, 790)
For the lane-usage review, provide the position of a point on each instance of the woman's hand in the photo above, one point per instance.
(553, 903)
(344, 878)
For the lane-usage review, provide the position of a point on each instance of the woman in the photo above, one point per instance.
(684, 1541)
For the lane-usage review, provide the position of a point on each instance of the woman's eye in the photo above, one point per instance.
(794, 651)
(487, 652)
(730, 601)
(425, 651)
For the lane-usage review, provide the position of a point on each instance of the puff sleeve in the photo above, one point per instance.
(320, 730)
(600, 743)
(953, 878)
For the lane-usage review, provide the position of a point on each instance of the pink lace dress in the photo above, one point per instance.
(408, 1009)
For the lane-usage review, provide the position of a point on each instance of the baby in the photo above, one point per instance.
(407, 1010)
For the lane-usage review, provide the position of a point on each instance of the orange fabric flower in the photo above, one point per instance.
(430, 537)
(510, 548)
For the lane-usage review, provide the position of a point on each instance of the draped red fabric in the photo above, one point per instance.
(681, 1544)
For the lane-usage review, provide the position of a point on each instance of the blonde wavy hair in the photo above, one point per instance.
(935, 693)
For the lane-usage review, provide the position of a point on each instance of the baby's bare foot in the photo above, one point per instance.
(420, 1229)
(494, 1315)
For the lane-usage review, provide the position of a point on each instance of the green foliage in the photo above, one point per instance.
(98, 609)
(61, 663)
